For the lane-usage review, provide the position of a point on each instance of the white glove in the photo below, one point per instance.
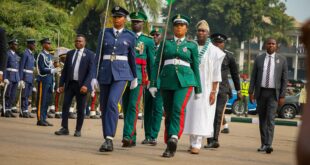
(21, 84)
(56, 70)
(6, 81)
(134, 83)
(94, 84)
(93, 93)
(34, 89)
(198, 96)
(153, 91)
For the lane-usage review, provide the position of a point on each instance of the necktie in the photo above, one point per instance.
(179, 41)
(75, 57)
(116, 34)
(268, 73)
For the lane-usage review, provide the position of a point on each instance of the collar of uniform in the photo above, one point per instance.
(81, 50)
(176, 38)
(29, 51)
(12, 51)
(45, 52)
(119, 30)
(272, 55)
(139, 34)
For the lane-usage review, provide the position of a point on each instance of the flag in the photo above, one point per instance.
(170, 1)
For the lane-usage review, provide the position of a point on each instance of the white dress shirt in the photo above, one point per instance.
(176, 39)
(79, 54)
(271, 73)
(119, 31)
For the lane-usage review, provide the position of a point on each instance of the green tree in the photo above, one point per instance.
(35, 19)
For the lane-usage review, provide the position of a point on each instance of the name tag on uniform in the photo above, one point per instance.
(126, 43)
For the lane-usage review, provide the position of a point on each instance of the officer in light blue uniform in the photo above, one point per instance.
(117, 66)
(26, 76)
(11, 77)
(46, 70)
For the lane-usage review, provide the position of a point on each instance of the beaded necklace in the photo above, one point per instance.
(204, 49)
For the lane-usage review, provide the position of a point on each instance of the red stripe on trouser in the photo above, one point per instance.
(165, 132)
(137, 110)
(92, 106)
(182, 112)
(57, 101)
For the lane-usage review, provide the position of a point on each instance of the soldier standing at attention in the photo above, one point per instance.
(117, 66)
(26, 76)
(153, 107)
(11, 78)
(179, 73)
(46, 70)
(145, 51)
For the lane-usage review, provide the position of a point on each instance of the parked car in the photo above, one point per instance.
(291, 106)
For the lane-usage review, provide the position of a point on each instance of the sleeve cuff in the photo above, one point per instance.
(1, 72)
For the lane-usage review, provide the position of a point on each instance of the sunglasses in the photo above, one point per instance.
(201, 30)
(156, 35)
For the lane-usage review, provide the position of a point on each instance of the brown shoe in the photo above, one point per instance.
(194, 151)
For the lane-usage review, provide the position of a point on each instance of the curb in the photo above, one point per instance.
(256, 121)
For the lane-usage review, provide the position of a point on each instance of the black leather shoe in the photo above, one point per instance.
(269, 149)
(168, 153)
(77, 134)
(58, 116)
(41, 123)
(14, 111)
(262, 148)
(71, 115)
(34, 111)
(212, 144)
(225, 130)
(107, 146)
(49, 115)
(25, 115)
(94, 117)
(48, 123)
(153, 142)
(146, 141)
(128, 143)
(172, 145)
(9, 114)
(62, 131)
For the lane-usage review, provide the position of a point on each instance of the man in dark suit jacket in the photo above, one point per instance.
(3, 56)
(75, 82)
(268, 87)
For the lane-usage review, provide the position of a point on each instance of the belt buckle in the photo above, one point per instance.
(176, 62)
(113, 57)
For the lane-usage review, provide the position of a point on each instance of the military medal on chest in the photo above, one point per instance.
(140, 47)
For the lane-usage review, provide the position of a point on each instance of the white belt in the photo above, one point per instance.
(28, 71)
(11, 69)
(115, 57)
(176, 62)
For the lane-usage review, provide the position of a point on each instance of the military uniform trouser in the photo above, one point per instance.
(219, 112)
(131, 101)
(175, 102)
(26, 92)
(43, 96)
(10, 95)
(153, 112)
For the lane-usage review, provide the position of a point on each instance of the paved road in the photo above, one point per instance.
(22, 142)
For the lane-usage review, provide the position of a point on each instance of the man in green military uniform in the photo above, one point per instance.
(145, 51)
(179, 73)
(153, 107)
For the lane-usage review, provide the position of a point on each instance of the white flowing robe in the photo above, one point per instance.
(199, 113)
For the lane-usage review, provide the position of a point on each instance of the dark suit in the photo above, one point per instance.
(267, 97)
(3, 55)
(72, 87)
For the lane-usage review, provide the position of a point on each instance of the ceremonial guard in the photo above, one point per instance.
(153, 107)
(11, 78)
(46, 70)
(117, 65)
(179, 74)
(26, 76)
(145, 51)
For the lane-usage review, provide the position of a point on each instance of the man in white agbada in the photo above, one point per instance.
(200, 113)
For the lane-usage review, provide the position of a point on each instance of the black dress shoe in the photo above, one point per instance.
(9, 114)
(58, 116)
(62, 131)
(127, 142)
(34, 111)
(94, 117)
(25, 115)
(48, 123)
(146, 141)
(107, 146)
(41, 123)
(172, 145)
(14, 110)
(49, 115)
(153, 142)
(77, 134)
(225, 130)
(71, 115)
(213, 144)
(262, 148)
(168, 153)
(269, 149)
